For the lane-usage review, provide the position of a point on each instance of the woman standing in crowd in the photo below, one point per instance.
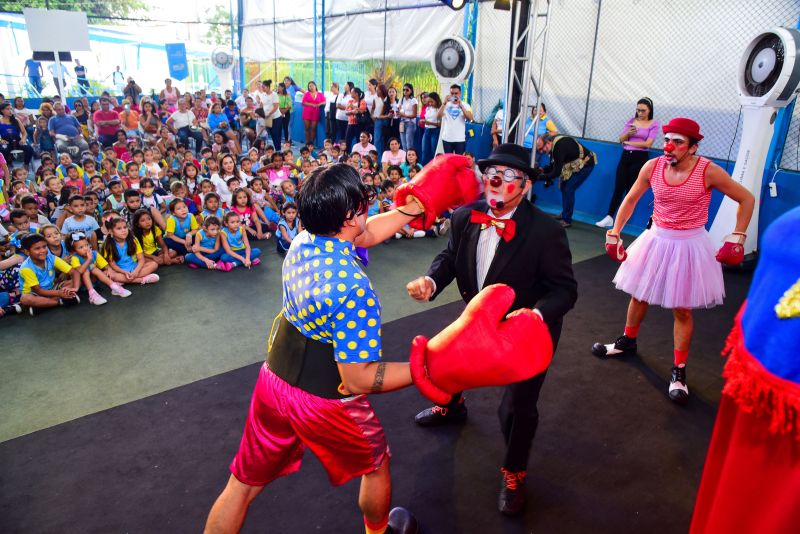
(408, 116)
(13, 135)
(341, 113)
(357, 117)
(545, 126)
(378, 120)
(82, 117)
(391, 114)
(332, 97)
(291, 87)
(637, 137)
(432, 124)
(313, 100)
(169, 94)
(371, 98)
(285, 106)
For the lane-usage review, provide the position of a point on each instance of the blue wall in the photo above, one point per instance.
(592, 198)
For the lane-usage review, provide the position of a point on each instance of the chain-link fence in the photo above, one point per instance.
(684, 55)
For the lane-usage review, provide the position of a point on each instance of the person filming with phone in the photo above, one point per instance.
(454, 115)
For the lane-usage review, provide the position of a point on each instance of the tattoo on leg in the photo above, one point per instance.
(377, 385)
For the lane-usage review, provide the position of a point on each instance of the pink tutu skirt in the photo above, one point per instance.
(672, 269)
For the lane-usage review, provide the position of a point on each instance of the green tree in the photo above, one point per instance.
(219, 29)
(106, 10)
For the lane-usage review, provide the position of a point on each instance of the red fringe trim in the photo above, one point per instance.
(757, 390)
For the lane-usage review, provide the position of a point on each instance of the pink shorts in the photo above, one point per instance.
(344, 434)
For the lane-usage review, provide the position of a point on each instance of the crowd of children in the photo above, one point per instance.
(114, 218)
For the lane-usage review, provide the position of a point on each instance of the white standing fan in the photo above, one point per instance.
(223, 60)
(769, 74)
(453, 61)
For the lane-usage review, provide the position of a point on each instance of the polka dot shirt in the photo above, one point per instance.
(328, 297)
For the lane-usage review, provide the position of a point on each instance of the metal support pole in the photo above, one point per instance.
(530, 43)
(540, 82)
(470, 34)
(60, 78)
(274, 41)
(591, 68)
(239, 33)
(233, 44)
(323, 48)
(315, 39)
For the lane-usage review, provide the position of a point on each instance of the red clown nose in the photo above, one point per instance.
(669, 147)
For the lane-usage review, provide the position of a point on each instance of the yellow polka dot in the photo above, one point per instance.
(307, 293)
(370, 302)
(360, 292)
(341, 287)
(293, 271)
(326, 288)
(372, 322)
(362, 334)
(316, 250)
(307, 280)
(294, 287)
(342, 274)
(351, 304)
(328, 274)
(340, 335)
(373, 343)
(340, 316)
(306, 253)
(320, 321)
(351, 324)
(359, 277)
(315, 336)
(329, 302)
(379, 331)
(362, 313)
(342, 299)
(307, 327)
(380, 352)
(346, 251)
(328, 261)
(351, 345)
(316, 277)
(363, 354)
(316, 291)
(311, 308)
(342, 355)
(343, 262)
(315, 263)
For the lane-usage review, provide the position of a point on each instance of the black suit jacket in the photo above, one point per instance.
(536, 263)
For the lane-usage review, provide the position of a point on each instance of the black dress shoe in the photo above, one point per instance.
(512, 492)
(623, 345)
(401, 521)
(442, 415)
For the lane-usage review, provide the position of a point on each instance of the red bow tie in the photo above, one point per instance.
(505, 227)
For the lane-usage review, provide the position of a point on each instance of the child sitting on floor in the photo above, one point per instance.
(37, 276)
(236, 244)
(125, 257)
(288, 227)
(207, 250)
(87, 264)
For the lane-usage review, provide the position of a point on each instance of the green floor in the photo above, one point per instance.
(65, 364)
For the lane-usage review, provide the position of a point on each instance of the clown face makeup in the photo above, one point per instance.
(503, 195)
(676, 148)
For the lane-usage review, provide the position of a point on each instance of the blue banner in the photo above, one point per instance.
(176, 57)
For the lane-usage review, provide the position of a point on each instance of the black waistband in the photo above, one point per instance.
(304, 362)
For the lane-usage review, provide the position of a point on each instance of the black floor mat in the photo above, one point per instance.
(612, 453)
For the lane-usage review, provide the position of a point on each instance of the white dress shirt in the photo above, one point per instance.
(488, 240)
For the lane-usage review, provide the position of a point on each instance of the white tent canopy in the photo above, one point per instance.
(354, 29)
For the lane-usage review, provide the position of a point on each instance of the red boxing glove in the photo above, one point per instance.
(731, 252)
(481, 349)
(445, 182)
(614, 248)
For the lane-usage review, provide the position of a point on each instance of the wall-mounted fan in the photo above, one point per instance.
(768, 79)
(223, 60)
(452, 61)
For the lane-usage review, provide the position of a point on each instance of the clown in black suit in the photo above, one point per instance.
(505, 239)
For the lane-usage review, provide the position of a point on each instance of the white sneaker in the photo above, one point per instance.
(605, 222)
(96, 299)
(150, 279)
(119, 291)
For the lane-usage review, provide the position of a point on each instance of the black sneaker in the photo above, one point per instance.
(70, 302)
(401, 521)
(623, 345)
(678, 391)
(512, 492)
(12, 309)
(453, 413)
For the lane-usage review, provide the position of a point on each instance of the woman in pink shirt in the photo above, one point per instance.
(312, 101)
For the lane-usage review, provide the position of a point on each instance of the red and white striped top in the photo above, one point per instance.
(683, 206)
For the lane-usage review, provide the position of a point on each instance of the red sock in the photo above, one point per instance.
(376, 528)
(680, 356)
(631, 331)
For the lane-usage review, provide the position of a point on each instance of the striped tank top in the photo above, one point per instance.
(683, 206)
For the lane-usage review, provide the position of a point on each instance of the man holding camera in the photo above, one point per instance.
(571, 163)
(454, 115)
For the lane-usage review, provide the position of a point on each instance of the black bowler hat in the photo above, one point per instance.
(510, 155)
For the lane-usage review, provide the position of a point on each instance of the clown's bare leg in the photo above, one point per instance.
(228, 513)
(376, 495)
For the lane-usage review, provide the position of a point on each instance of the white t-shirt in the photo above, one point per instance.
(498, 120)
(431, 119)
(363, 150)
(268, 101)
(340, 113)
(241, 101)
(454, 123)
(392, 159)
(181, 119)
(407, 105)
(370, 100)
(222, 188)
(378, 107)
